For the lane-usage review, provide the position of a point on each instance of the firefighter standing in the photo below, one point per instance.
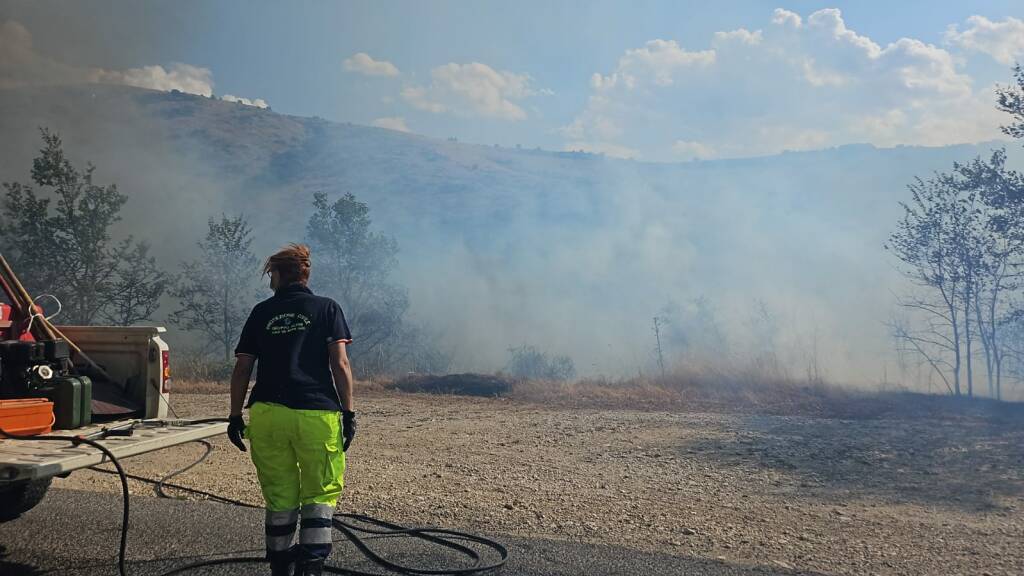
(301, 417)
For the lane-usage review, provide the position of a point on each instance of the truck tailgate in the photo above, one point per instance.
(33, 459)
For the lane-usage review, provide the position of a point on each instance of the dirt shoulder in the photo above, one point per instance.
(832, 496)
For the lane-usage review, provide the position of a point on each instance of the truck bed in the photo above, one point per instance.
(36, 459)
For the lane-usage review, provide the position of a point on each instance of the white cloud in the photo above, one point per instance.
(658, 61)
(924, 68)
(257, 102)
(798, 83)
(829, 24)
(786, 18)
(362, 63)
(182, 77)
(472, 89)
(391, 123)
(418, 98)
(818, 77)
(1003, 41)
(741, 35)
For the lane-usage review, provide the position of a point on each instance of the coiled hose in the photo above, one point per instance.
(356, 527)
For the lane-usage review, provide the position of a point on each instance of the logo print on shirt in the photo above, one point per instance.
(287, 323)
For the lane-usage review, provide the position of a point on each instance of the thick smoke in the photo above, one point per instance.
(21, 65)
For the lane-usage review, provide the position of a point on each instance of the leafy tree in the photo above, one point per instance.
(137, 286)
(66, 248)
(216, 291)
(1010, 99)
(529, 362)
(353, 265)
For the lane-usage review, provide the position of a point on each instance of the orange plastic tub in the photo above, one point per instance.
(26, 417)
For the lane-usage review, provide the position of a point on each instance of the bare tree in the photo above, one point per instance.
(930, 344)
(658, 323)
(929, 240)
(1000, 251)
(1011, 331)
(961, 242)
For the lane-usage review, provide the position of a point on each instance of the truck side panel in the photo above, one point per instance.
(22, 460)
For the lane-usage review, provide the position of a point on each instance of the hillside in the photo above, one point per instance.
(571, 252)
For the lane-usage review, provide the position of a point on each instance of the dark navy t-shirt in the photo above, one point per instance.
(288, 334)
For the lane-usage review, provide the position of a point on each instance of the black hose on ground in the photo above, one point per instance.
(125, 499)
(163, 481)
(345, 523)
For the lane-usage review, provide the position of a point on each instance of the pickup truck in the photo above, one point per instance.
(137, 361)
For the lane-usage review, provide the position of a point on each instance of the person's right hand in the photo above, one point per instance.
(236, 426)
(348, 428)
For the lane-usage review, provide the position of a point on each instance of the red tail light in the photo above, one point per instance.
(165, 357)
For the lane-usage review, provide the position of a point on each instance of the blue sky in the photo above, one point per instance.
(665, 81)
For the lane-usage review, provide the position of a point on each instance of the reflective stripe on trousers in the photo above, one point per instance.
(315, 533)
(280, 531)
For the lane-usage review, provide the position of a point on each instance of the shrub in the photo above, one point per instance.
(528, 362)
(194, 365)
(459, 384)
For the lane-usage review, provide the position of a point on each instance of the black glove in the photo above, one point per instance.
(235, 428)
(348, 428)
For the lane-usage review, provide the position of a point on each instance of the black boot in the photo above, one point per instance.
(280, 568)
(310, 568)
(281, 563)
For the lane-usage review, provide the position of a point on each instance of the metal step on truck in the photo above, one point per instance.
(119, 397)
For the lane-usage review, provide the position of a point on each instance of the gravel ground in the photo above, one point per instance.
(910, 496)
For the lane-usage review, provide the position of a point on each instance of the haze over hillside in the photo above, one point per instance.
(573, 253)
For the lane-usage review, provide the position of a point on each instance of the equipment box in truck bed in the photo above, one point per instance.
(130, 408)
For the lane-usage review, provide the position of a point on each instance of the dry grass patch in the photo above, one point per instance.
(686, 391)
(467, 384)
(746, 393)
(199, 387)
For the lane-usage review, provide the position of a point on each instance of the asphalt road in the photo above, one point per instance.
(76, 533)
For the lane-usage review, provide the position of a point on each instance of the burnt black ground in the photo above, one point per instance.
(76, 533)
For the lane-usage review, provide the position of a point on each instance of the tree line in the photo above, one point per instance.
(59, 236)
(960, 242)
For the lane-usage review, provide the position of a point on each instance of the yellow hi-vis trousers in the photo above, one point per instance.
(301, 468)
